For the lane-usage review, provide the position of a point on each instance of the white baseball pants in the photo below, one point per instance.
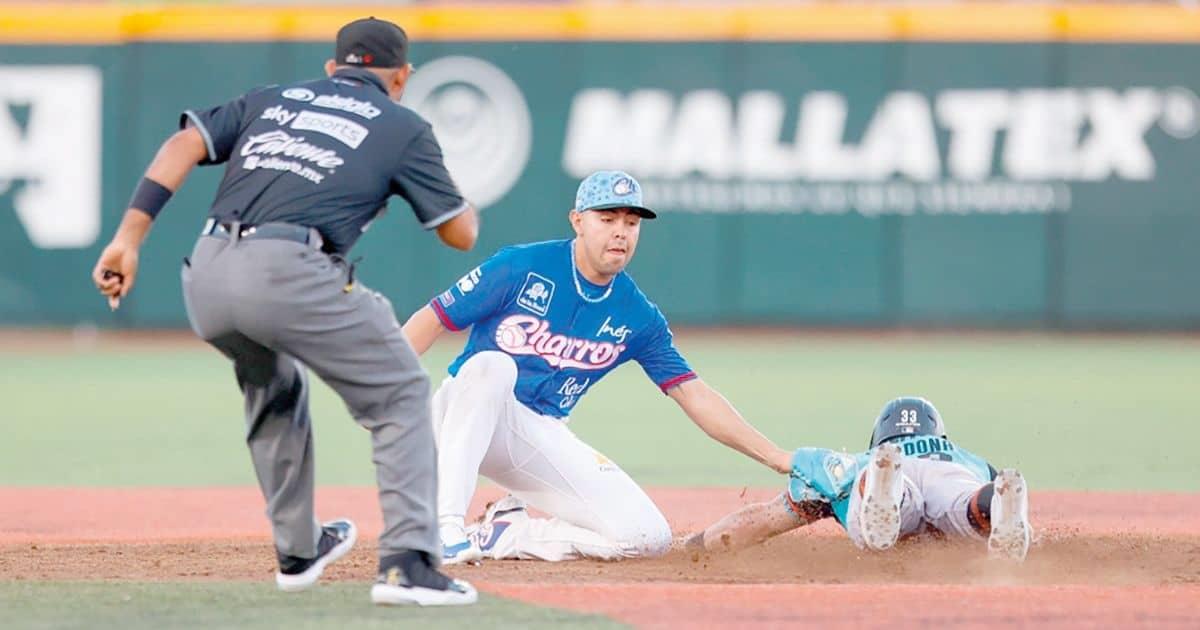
(597, 510)
(935, 493)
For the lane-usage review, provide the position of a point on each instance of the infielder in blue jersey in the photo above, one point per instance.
(912, 480)
(548, 321)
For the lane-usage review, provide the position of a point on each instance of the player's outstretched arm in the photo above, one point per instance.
(755, 523)
(422, 329)
(717, 418)
(117, 267)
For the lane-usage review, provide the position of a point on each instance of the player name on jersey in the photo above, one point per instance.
(914, 447)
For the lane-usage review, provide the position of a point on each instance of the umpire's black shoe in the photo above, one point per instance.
(409, 578)
(297, 574)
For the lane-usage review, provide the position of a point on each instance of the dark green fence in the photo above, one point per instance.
(875, 184)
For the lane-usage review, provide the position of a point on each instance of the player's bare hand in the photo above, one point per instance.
(116, 271)
(780, 461)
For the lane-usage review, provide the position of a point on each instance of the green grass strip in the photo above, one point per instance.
(134, 606)
(1072, 412)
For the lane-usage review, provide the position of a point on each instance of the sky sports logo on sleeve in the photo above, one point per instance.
(957, 151)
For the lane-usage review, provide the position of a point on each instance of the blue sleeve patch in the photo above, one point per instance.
(477, 294)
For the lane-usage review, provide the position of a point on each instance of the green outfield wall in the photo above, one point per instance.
(875, 183)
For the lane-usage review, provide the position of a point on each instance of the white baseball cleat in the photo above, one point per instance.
(457, 546)
(501, 515)
(1010, 517)
(883, 489)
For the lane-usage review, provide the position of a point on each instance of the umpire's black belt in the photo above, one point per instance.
(274, 231)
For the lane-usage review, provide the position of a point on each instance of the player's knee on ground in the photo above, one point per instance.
(647, 536)
(494, 370)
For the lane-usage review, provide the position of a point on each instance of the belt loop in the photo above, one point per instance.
(235, 232)
(350, 275)
(314, 239)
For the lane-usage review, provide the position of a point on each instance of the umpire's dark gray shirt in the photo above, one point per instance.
(324, 154)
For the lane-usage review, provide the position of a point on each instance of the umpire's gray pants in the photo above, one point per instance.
(276, 306)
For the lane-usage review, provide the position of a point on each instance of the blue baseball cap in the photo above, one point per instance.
(609, 190)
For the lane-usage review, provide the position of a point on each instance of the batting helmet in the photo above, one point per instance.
(907, 415)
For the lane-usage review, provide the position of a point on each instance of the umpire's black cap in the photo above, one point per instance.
(372, 43)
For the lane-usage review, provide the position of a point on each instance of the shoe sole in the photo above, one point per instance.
(306, 580)
(501, 506)
(1010, 523)
(484, 531)
(387, 595)
(879, 515)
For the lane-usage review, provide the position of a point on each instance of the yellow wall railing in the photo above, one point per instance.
(49, 22)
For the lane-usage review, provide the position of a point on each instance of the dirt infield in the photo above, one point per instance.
(1105, 559)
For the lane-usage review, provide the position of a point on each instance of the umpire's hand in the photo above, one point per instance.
(117, 268)
(115, 271)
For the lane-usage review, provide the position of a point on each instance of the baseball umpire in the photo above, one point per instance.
(307, 168)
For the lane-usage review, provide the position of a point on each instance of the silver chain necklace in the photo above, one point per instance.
(579, 287)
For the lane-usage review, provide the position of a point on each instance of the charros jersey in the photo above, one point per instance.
(564, 332)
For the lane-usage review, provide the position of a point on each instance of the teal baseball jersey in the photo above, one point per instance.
(821, 474)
